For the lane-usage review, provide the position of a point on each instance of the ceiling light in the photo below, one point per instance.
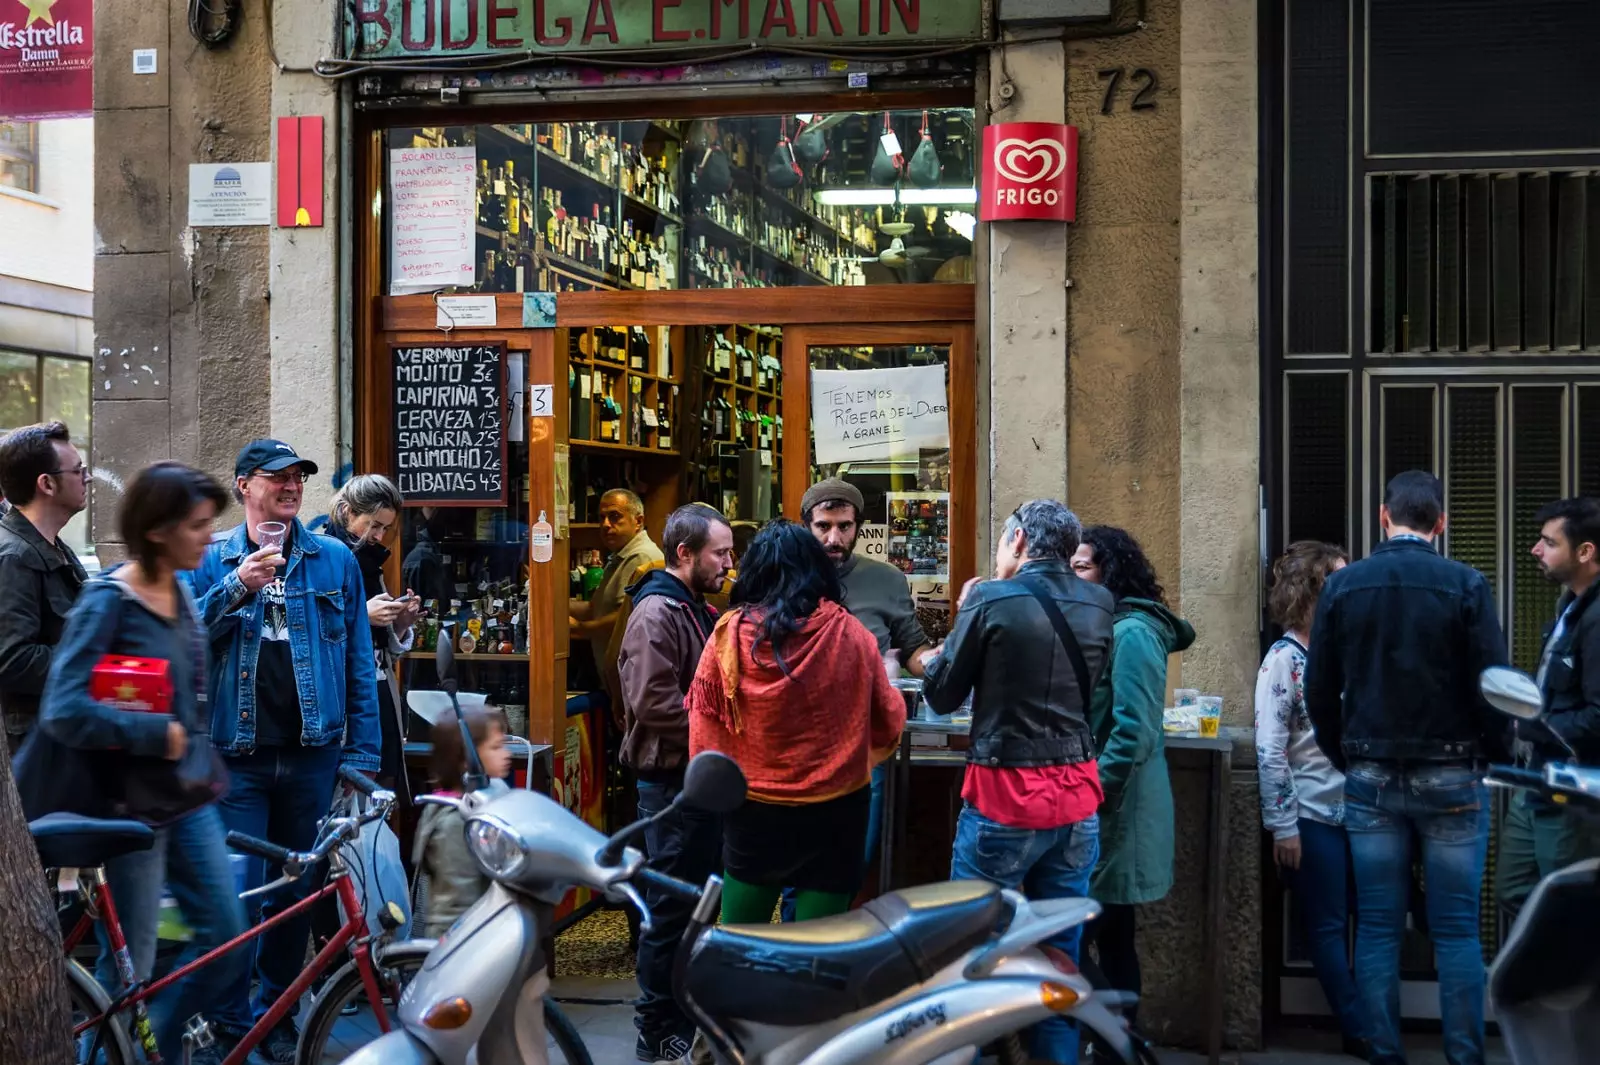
(865, 197)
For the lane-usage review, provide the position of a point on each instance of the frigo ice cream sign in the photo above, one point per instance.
(46, 59)
(411, 28)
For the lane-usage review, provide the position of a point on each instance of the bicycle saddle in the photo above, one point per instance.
(67, 841)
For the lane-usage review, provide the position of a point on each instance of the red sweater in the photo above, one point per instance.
(805, 737)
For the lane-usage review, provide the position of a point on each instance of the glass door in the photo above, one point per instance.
(890, 409)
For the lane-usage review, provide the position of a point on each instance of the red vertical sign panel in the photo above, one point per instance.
(46, 59)
(300, 175)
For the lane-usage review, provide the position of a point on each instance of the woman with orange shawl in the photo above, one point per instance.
(793, 689)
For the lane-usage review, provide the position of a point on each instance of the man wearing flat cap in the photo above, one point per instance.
(875, 593)
(294, 695)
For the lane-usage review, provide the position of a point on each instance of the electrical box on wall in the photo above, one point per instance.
(1022, 13)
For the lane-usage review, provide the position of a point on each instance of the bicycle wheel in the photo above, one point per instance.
(88, 1000)
(324, 1040)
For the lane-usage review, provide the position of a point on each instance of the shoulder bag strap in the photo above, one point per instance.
(1069, 642)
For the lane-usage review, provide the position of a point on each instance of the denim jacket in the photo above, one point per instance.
(1396, 648)
(329, 638)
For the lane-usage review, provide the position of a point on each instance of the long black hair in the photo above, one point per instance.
(783, 577)
(1125, 572)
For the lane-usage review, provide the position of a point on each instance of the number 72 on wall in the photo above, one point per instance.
(1143, 100)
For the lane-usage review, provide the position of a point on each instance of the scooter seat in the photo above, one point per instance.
(68, 841)
(1550, 952)
(808, 972)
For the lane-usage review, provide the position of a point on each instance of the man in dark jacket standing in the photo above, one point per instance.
(45, 479)
(1539, 837)
(1391, 687)
(666, 631)
(1030, 647)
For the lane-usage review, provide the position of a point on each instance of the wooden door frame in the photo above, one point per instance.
(883, 314)
(963, 417)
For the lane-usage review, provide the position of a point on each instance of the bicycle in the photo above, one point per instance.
(377, 970)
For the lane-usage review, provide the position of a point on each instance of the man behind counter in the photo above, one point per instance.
(628, 547)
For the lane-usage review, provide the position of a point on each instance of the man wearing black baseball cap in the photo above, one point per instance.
(293, 695)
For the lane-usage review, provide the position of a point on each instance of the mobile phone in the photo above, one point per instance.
(406, 598)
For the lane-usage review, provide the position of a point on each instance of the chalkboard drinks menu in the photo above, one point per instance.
(449, 423)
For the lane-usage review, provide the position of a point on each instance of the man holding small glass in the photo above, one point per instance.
(293, 694)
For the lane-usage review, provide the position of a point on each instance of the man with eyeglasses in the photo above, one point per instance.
(44, 478)
(293, 696)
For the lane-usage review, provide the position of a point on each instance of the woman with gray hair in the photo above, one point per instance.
(363, 515)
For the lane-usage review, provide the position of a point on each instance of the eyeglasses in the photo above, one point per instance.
(285, 477)
(79, 471)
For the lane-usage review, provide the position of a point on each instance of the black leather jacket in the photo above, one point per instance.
(1396, 648)
(1026, 706)
(1572, 683)
(38, 585)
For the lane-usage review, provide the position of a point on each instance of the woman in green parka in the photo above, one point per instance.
(1125, 715)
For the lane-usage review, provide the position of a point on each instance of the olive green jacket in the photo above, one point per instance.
(1136, 817)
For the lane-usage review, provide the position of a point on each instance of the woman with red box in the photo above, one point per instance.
(127, 690)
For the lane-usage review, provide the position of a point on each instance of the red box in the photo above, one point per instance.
(129, 683)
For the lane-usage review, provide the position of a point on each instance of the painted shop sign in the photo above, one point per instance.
(393, 28)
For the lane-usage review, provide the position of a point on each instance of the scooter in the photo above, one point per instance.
(1545, 985)
(925, 976)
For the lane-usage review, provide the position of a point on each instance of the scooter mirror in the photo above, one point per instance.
(1511, 692)
(714, 783)
(444, 661)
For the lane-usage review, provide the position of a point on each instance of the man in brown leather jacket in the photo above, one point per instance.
(667, 629)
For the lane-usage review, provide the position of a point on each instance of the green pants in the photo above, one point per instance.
(1537, 839)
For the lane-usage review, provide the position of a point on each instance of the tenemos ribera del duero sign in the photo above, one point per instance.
(1030, 171)
(394, 28)
(46, 59)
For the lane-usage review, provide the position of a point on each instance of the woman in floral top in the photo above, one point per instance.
(1302, 795)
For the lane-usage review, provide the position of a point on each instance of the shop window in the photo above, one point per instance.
(40, 388)
(746, 202)
(19, 155)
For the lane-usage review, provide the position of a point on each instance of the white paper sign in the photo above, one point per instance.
(873, 542)
(459, 312)
(878, 414)
(230, 194)
(432, 243)
(541, 401)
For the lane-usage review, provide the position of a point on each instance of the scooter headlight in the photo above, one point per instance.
(496, 846)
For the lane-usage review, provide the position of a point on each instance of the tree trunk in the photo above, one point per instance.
(35, 1019)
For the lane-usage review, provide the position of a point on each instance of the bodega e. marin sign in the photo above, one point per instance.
(385, 28)
(448, 408)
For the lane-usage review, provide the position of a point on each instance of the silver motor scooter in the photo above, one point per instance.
(1545, 984)
(927, 975)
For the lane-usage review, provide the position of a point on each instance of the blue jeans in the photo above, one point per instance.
(1322, 886)
(874, 840)
(1446, 806)
(190, 858)
(277, 794)
(1050, 863)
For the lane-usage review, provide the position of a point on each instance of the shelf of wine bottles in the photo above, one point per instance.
(596, 206)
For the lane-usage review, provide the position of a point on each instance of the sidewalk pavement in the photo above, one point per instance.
(609, 1033)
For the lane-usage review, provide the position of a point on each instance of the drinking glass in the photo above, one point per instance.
(271, 534)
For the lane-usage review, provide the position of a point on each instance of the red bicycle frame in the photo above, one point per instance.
(353, 931)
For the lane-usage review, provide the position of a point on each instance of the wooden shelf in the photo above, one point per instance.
(624, 449)
(428, 656)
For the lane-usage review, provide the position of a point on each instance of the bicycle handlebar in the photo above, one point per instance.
(260, 848)
(358, 780)
(343, 829)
